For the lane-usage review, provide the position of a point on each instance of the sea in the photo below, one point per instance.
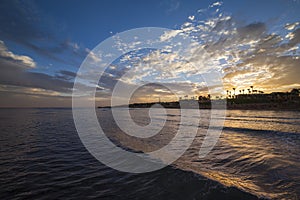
(257, 156)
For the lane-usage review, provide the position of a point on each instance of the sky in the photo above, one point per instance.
(44, 43)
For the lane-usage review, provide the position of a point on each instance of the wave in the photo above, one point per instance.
(175, 183)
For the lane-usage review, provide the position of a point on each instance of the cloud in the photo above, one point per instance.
(25, 61)
(37, 32)
(218, 3)
(244, 53)
(268, 63)
(12, 96)
(65, 75)
(296, 37)
(16, 16)
(15, 72)
(169, 34)
(28, 91)
(252, 31)
(291, 26)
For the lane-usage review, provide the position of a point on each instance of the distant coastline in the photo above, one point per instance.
(251, 101)
(229, 105)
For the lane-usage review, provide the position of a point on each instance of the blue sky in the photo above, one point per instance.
(43, 43)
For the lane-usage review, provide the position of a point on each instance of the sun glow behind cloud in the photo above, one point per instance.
(245, 54)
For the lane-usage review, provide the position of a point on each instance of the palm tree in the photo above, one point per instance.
(249, 91)
(243, 91)
(233, 91)
(227, 92)
(251, 88)
(240, 91)
(295, 91)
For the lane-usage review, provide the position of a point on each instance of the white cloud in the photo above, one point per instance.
(245, 54)
(25, 61)
(192, 17)
(169, 34)
(218, 3)
(290, 36)
(291, 26)
(75, 46)
(30, 91)
(93, 56)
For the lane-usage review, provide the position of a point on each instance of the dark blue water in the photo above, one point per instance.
(257, 156)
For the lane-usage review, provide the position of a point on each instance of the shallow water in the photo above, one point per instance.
(257, 155)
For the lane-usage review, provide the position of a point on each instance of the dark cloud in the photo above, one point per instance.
(22, 23)
(252, 31)
(296, 37)
(19, 20)
(235, 36)
(225, 24)
(285, 71)
(15, 70)
(257, 57)
(13, 73)
(65, 75)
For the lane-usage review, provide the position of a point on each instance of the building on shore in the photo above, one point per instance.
(270, 97)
